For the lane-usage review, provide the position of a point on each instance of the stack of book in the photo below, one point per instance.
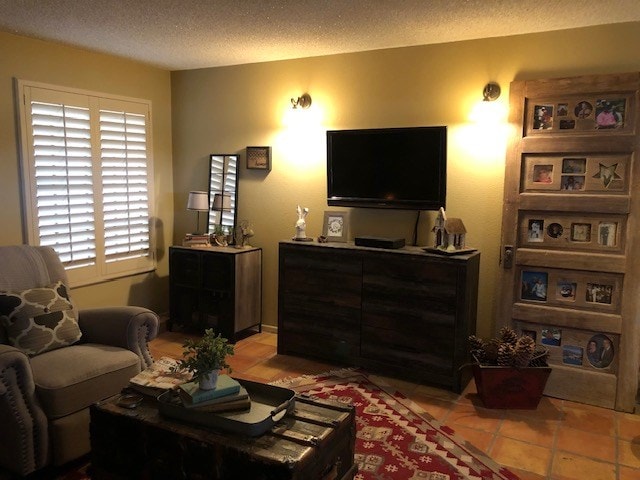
(159, 377)
(228, 396)
(196, 240)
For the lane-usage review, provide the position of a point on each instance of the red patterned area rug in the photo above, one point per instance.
(395, 438)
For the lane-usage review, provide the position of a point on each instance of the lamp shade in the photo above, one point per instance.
(221, 202)
(198, 201)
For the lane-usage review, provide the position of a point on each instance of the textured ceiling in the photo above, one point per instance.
(187, 34)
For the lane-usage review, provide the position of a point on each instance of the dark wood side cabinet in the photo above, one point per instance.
(215, 287)
(401, 312)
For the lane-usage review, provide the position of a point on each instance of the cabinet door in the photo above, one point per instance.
(319, 302)
(409, 309)
(185, 277)
(570, 219)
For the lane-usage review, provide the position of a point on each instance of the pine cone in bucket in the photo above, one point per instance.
(508, 350)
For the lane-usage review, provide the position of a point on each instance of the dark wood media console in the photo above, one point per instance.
(400, 312)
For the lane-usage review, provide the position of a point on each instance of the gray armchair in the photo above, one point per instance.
(45, 392)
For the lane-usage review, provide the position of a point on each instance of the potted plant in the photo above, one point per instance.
(509, 371)
(205, 357)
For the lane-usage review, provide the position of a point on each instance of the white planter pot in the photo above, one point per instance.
(209, 382)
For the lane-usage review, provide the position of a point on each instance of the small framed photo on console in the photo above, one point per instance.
(336, 226)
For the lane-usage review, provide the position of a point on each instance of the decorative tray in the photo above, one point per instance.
(267, 403)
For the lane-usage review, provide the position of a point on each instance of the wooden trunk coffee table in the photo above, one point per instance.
(314, 440)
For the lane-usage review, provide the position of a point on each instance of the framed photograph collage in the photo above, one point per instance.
(576, 174)
(576, 348)
(571, 288)
(576, 114)
(551, 230)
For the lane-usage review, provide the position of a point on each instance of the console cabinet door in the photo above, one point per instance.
(319, 302)
(414, 317)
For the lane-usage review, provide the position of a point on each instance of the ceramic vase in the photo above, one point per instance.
(209, 381)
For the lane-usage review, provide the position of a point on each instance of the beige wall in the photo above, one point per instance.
(222, 110)
(39, 61)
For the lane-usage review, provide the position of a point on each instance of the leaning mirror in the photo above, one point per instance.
(223, 193)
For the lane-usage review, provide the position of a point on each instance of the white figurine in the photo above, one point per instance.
(301, 224)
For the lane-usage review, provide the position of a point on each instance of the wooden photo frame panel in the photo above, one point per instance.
(595, 292)
(576, 174)
(567, 345)
(590, 114)
(552, 231)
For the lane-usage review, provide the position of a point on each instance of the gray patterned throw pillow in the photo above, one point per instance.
(39, 319)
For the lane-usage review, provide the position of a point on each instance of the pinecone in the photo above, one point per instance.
(508, 335)
(523, 351)
(506, 355)
(476, 347)
(491, 351)
(540, 356)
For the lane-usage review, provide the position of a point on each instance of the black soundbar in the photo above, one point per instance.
(379, 242)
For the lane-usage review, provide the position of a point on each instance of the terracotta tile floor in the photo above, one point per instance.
(561, 440)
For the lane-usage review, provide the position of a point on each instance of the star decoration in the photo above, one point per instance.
(607, 174)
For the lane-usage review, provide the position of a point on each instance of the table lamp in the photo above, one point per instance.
(198, 201)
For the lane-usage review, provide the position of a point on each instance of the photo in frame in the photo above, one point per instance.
(335, 227)
(600, 351)
(551, 337)
(534, 286)
(259, 158)
(572, 355)
(607, 234)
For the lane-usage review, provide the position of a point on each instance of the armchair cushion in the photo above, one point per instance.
(70, 379)
(38, 320)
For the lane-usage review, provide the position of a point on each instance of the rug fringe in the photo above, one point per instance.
(304, 379)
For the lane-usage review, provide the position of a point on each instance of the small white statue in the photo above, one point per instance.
(301, 224)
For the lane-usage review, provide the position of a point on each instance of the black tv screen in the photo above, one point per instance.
(403, 168)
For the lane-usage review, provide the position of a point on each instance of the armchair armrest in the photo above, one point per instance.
(24, 434)
(127, 327)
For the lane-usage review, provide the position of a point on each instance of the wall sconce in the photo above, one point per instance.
(198, 201)
(303, 101)
(491, 92)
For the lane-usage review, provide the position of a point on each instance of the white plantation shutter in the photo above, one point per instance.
(125, 186)
(87, 176)
(64, 184)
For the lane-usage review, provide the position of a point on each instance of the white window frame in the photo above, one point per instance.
(100, 268)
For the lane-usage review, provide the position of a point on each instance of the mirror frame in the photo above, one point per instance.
(223, 179)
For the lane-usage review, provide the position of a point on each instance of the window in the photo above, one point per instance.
(86, 166)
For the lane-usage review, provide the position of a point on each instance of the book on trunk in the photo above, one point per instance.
(241, 395)
(225, 386)
(159, 377)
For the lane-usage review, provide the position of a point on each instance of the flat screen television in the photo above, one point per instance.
(402, 168)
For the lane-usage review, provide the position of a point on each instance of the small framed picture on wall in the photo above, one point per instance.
(259, 158)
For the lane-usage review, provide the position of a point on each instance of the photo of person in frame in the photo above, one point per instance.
(551, 337)
(600, 351)
(543, 173)
(583, 109)
(610, 113)
(542, 117)
(597, 293)
(567, 124)
(572, 182)
(580, 232)
(534, 286)
(563, 109)
(534, 233)
(566, 290)
(607, 234)
(554, 230)
(574, 165)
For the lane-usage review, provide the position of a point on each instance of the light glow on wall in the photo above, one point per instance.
(301, 142)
